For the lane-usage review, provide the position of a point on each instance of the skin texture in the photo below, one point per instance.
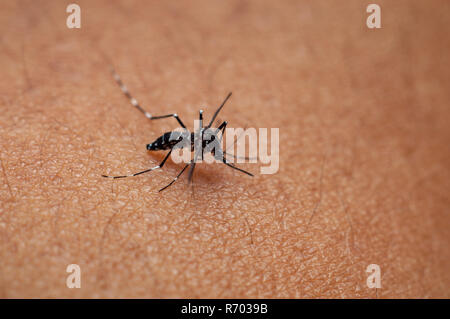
(364, 157)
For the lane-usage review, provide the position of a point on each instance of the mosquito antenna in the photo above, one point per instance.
(218, 110)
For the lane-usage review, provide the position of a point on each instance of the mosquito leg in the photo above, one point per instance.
(211, 147)
(222, 128)
(218, 110)
(135, 103)
(147, 170)
(234, 142)
(241, 157)
(235, 156)
(173, 181)
(236, 168)
(200, 115)
(191, 171)
(168, 115)
(125, 91)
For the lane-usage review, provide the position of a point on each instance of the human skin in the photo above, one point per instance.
(364, 157)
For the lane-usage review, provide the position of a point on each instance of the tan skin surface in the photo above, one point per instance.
(364, 157)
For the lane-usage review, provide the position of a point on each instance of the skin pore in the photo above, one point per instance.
(364, 157)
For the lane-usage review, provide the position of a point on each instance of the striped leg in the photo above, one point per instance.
(135, 103)
(173, 181)
(125, 91)
(146, 171)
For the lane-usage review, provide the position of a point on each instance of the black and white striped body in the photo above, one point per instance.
(171, 140)
(177, 140)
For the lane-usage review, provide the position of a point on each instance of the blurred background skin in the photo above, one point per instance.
(364, 156)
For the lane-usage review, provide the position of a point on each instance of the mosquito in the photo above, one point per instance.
(179, 139)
